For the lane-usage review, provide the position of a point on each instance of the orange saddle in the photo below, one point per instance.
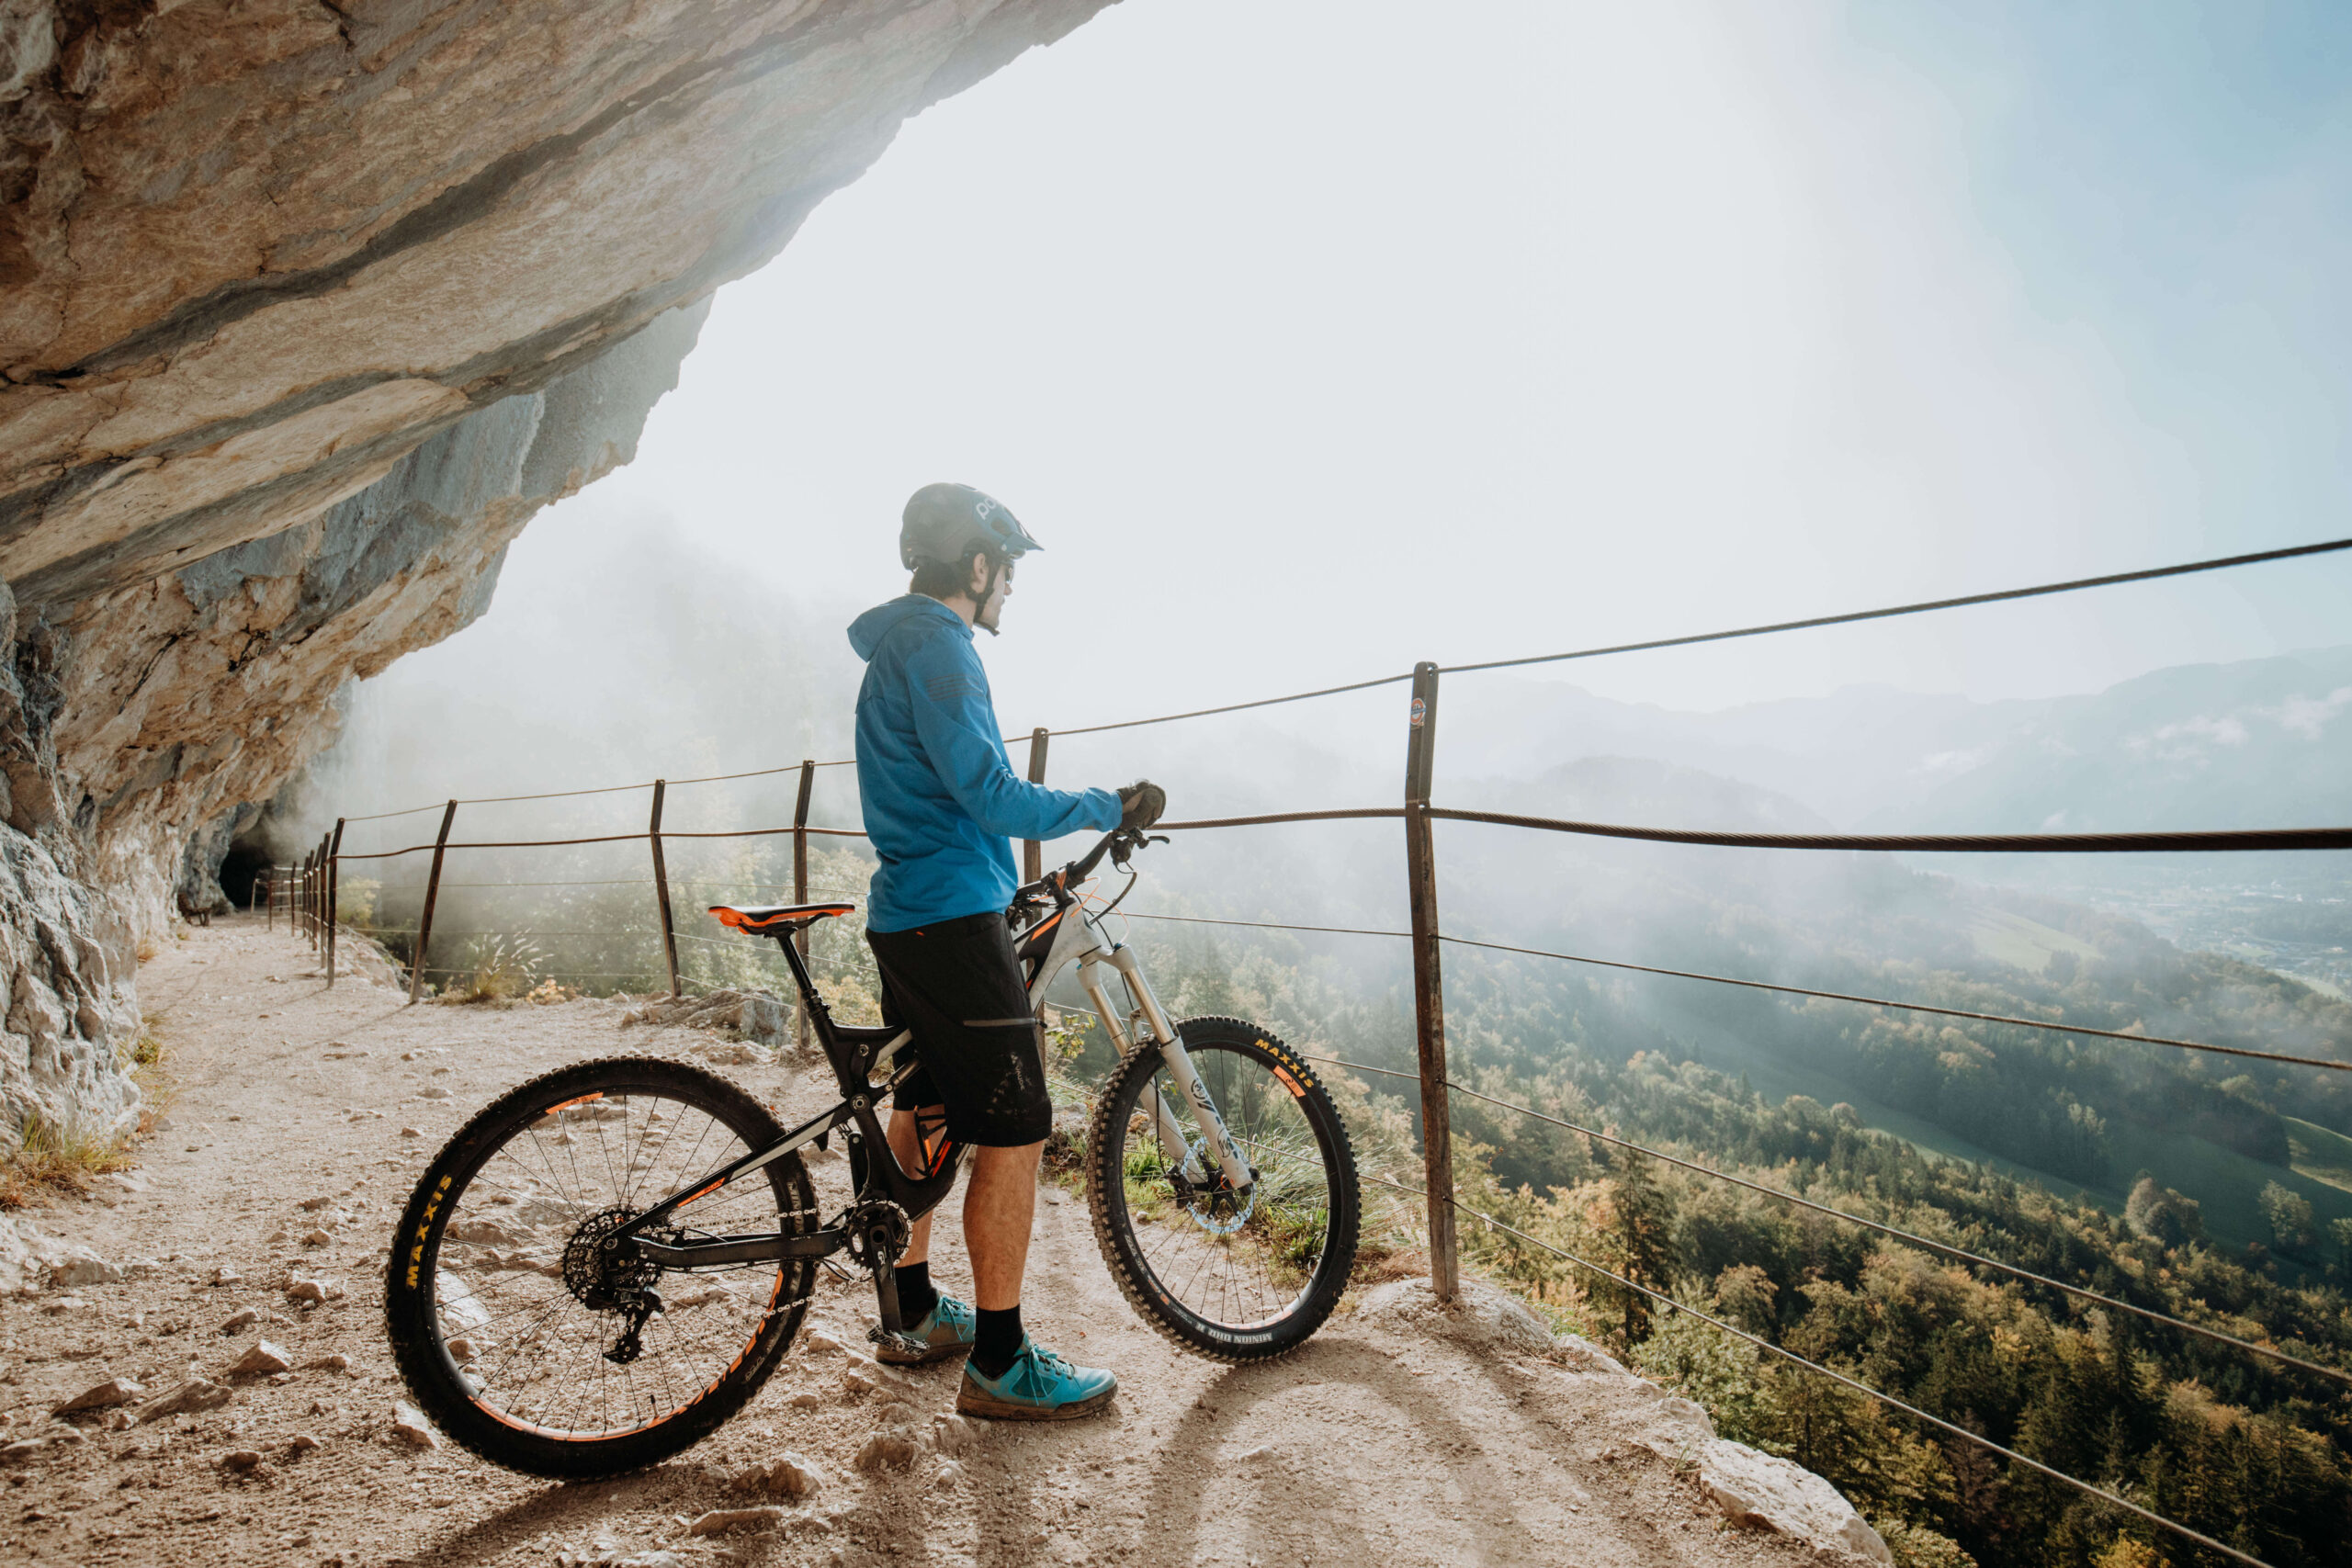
(774, 916)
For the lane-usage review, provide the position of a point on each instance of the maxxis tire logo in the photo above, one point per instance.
(424, 1229)
(1289, 1068)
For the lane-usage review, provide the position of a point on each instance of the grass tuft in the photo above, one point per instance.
(59, 1157)
(504, 974)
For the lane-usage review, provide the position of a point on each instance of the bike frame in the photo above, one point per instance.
(869, 1062)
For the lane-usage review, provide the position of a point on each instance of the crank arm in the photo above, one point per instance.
(741, 1249)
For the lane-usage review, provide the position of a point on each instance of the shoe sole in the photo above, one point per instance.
(936, 1353)
(970, 1402)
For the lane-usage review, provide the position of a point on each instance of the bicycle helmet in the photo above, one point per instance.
(947, 523)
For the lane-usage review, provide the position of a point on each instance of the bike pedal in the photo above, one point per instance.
(901, 1340)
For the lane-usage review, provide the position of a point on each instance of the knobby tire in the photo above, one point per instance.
(1128, 1252)
(414, 1322)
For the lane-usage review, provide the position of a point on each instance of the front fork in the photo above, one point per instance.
(1162, 1033)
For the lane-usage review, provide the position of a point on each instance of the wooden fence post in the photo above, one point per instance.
(800, 883)
(1033, 853)
(432, 895)
(661, 885)
(318, 899)
(310, 893)
(1428, 992)
(334, 891)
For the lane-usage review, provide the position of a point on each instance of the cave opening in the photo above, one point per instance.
(248, 859)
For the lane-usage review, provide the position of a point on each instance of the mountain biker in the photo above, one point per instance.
(940, 802)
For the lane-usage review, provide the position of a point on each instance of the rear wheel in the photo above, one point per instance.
(1238, 1276)
(514, 1330)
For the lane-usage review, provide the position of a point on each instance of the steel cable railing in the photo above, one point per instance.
(2282, 1057)
(1910, 1237)
(2233, 840)
(315, 911)
(1849, 617)
(2091, 1489)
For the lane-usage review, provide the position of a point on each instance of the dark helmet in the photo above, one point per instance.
(947, 523)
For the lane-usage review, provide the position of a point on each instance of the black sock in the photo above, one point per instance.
(916, 1297)
(996, 1340)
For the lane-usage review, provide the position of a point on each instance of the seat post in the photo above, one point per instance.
(809, 999)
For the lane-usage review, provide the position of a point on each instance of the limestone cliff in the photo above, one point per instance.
(305, 308)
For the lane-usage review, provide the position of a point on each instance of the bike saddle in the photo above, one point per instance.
(766, 917)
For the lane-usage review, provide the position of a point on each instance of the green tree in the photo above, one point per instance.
(2289, 1213)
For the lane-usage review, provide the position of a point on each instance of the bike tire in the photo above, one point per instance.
(416, 1319)
(1136, 1246)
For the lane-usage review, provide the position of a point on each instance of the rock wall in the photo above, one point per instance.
(304, 310)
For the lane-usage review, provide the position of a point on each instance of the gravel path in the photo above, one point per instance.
(1370, 1445)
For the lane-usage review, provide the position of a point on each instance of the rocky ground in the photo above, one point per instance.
(264, 1427)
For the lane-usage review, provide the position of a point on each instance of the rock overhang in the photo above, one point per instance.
(304, 310)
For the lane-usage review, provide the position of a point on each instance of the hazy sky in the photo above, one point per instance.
(1316, 338)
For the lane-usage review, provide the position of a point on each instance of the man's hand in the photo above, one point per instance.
(1141, 803)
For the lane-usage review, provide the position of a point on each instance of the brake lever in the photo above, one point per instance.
(1128, 843)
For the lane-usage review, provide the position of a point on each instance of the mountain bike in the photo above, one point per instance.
(606, 1263)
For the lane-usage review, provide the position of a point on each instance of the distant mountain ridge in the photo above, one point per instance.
(2258, 743)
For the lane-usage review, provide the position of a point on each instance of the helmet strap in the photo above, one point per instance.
(987, 591)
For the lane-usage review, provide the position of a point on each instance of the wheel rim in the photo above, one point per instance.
(535, 1319)
(1232, 1260)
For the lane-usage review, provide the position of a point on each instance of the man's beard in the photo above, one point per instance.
(987, 616)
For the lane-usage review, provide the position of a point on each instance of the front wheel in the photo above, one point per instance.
(1238, 1275)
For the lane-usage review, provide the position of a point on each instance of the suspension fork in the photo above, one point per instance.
(1162, 1035)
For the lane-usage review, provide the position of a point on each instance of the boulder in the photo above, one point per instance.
(1769, 1492)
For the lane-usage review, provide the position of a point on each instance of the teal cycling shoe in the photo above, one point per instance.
(945, 1330)
(1038, 1386)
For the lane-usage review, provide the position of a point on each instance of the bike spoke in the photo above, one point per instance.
(539, 1349)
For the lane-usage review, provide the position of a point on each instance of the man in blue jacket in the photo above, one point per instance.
(942, 803)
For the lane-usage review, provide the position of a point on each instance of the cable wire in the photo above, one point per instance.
(2146, 575)
(1266, 925)
(2278, 1056)
(1228, 707)
(2282, 1057)
(2237, 841)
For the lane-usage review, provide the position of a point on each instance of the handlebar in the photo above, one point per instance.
(1119, 843)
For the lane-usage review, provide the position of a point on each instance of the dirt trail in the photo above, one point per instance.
(1370, 1445)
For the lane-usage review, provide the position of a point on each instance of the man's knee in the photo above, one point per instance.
(1013, 1160)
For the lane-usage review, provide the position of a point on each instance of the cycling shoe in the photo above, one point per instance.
(1038, 1386)
(945, 1330)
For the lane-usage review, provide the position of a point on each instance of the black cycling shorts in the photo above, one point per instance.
(958, 984)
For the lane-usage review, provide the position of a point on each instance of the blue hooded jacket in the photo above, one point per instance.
(940, 797)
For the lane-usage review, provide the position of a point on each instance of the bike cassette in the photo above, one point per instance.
(597, 1271)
